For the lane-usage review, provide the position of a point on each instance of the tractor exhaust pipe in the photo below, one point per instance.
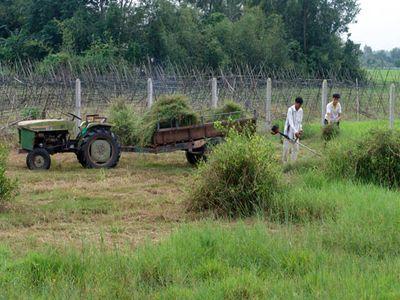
(275, 130)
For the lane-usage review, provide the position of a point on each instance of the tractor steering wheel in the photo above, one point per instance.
(74, 116)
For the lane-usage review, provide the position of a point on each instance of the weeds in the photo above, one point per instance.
(374, 159)
(241, 177)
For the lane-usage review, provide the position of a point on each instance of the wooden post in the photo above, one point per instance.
(149, 92)
(214, 93)
(357, 100)
(324, 99)
(78, 101)
(392, 100)
(268, 117)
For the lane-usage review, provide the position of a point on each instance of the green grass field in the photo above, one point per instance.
(125, 233)
(382, 76)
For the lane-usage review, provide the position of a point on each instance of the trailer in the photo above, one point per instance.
(195, 140)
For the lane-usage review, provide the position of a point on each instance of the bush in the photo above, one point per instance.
(330, 132)
(374, 159)
(31, 113)
(169, 110)
(125, 122)
(241, 178)
(7, 186)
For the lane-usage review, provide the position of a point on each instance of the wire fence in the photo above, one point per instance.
(367, 99)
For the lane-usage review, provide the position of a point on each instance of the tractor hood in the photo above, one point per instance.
(47, 125)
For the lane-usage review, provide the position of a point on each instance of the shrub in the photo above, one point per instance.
(7, 186)
(169, 110)
(374, 159)
(241, 178)
(330, 132)
(31, 113)
(125, 122)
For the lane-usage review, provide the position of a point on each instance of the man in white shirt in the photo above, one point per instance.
(293, 129)
(333, 111)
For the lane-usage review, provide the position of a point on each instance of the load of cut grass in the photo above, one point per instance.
(168, 111)
(374, 159)
(230, 109)
(125, 122)
(330, 131)
(242, 177)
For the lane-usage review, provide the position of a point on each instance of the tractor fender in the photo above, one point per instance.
(92, 126)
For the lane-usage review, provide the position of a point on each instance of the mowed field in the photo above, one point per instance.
(125, 233)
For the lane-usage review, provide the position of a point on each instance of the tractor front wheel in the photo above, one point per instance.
(38, 159)
(99, 149)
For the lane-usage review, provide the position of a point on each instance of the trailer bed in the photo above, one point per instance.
(187, 137)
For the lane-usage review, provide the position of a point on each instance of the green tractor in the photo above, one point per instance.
(95, 145)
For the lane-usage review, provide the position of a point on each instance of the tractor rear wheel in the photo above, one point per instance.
(196, 155)
(38, 159)
(99, 149)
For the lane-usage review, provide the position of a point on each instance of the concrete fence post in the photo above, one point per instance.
(268, 116)
(78, 101)
(357, 100)
(150, 92)
(392, 100)
(324, 100)
(214, 93)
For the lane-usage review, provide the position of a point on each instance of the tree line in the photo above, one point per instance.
(381, 58)
(307, 35)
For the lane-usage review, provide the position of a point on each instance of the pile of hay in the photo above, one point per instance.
(230, 109)
(168, 111)
(374, 159)
(242, 177)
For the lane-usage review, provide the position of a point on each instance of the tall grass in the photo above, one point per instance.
(375, 158)
(240, 178)
(7, 186)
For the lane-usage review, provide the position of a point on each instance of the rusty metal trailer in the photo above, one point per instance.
(192, 139)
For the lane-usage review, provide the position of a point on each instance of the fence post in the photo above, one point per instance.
(214, 93)
(149, 92)
(268, 118)
(392, 100)
(357, 100)
(78, 101)
(324, 99)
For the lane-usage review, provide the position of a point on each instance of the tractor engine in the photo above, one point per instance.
(52, 139)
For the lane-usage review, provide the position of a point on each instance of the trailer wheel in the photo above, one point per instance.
(38, 159)
(196, 155)
(99, 149)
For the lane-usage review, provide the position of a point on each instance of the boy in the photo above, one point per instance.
(333, 111)
(293, 129)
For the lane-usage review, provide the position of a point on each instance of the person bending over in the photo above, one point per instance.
(333, 111)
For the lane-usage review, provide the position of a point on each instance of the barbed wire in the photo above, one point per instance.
(55, 91)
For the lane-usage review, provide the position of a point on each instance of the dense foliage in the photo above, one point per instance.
(301, 34)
